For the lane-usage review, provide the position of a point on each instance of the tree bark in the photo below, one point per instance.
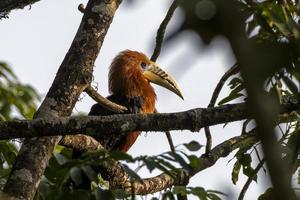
(73, 76)
(7, 5)
(102, 126)
(121, 180)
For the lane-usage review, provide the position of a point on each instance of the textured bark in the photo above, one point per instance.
(73, 76)
(114, 172)
(181, 176)
(104, 101)
(100, 126)
(7, 5)
(80, 143)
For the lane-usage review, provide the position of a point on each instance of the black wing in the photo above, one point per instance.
(134, 105)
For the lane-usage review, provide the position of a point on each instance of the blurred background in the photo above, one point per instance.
(35, 40)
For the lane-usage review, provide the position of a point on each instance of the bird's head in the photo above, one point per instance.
(131, 72)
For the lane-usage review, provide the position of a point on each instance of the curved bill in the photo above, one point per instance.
(158, 76)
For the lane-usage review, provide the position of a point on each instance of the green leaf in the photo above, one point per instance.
(195, 162)
(235, 172)
(168, 196)
(199, 192)
(179, 159)
(245, 159)
(236, 81)
(213, 196)
(231, 97)
(6, 69)
(80, 194)
(101, 194)
(118, 155)
(180, 190)
(76, 175)
(133, 175)
(249, 171)
(193, 146)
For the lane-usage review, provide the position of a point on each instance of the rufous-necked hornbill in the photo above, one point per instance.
(129, 84)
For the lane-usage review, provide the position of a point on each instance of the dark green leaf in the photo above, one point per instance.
(193, 146)
(101, 194)
(231, 97)
(199, 192)
(168, 196)
(195, 162)
(118, 155)
(131, 173)
(213, 196)
(180, 190)
(235, 172)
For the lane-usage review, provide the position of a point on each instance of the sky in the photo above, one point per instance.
(35, 40)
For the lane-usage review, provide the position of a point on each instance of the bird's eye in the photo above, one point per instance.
(143, 65)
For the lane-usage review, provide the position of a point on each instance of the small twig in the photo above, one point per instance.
(250, 179)
(168, 134)
(81, 8)
(259, 158)
(233, 70)
(159, 40)
(169, 137)
(104, 101)
(208, 140)
(162, 29)
(215, 95)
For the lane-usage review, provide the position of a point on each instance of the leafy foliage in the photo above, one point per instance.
(274, 24)
(265, 23)
(199, 192)
(16, 100)
(67, 174)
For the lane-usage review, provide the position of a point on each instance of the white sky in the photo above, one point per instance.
(34, 42)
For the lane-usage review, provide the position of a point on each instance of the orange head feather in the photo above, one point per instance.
(126, 78)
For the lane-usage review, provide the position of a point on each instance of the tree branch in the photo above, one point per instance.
(73, 76)
(162, 29)
(7, 5)
(101, 126)
(104, 101)
(164, 180)
(215, 95)
(156, 52)
(250, 179)
(119, 179)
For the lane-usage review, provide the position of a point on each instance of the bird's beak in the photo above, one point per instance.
(158, 76)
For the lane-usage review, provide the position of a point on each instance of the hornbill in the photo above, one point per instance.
(129, 84)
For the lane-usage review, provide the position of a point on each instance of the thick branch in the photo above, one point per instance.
(101, 126)
(7, 5)
(118, 178)
(164, 181)
(73, 76)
